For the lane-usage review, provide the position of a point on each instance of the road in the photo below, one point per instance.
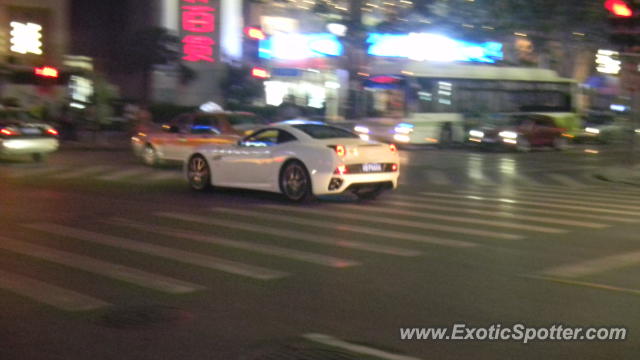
(103, 258)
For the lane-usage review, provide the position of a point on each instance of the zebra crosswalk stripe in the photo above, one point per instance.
(468, 220)
(532, 203)
(558, 200)
(565, 180)
(298, 235)
(497, 205)
(499, 213)
(186, 257)
(119, 272)
(81, 172)
(244, 245)
(351, 228)
(52, 295)
(118, 175)
(404, 223)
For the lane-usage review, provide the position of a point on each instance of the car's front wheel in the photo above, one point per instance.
(560, 143)
(295, 182)
(198, 173)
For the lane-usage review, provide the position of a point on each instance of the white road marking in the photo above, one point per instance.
(586, 284)
(467, 220)
(164, 175)
(565, 180)
(119, 175)
(527, 180)
(499, 213)
(595, 266)
(81, 172)
(557, 200)
(115, 271)
(481, 178)
(42, 292)
(502, 206)
(37, 171)
(244, 245)
(355, 348)
(404, 223)
(505, 199)
(298, 235)
(437, 177)
(331, 225)
(186, 257)
(587, 196)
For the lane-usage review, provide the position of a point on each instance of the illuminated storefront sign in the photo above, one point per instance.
(432, 47)
(26, 38)
(608, 62)
(300, 46)
(198, 23)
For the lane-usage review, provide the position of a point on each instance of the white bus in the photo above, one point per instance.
(432, 103)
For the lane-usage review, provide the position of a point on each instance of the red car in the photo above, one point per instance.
(521, 132)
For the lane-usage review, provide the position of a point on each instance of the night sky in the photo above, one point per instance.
(96, 25)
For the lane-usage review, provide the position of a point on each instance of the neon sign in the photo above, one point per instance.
(432, 47)
(198, 22)
(26, 38)
(300, 46)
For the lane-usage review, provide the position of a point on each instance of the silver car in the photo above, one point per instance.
(22, 134)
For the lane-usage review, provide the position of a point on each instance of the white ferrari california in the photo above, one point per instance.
(300, 159)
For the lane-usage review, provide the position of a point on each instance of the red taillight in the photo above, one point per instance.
(8, 132)
(394, 167)
(341, 170)
(52, 132)
(393, 147)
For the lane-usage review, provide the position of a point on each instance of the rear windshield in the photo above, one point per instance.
(10, 116)
(325, 132)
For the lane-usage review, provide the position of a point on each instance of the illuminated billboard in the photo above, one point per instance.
(300, 46)
(432, 47)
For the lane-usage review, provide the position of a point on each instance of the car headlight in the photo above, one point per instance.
(593, 131)
(361, 129)
(508, 134)
(476, 133)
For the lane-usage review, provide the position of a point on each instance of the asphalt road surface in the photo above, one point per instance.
(103, 258)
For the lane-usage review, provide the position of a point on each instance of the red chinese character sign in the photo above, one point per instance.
(199, 30)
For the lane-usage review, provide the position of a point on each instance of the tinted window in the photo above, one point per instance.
(284, 137)
(325, 132)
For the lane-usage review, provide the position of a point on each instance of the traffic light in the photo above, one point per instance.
(624, 19)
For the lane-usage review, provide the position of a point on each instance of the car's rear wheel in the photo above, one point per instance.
(295, 182)
(150, 155)
(198, 173)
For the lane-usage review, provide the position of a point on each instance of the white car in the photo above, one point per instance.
(300, 159)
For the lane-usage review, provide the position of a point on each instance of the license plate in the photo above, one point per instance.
(30, 131)
(371, 167)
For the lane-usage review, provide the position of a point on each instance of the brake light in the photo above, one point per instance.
(394, 167)
(341, 170)
(339, 149)
(8, 132)
(393, 147)
(52, 131)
